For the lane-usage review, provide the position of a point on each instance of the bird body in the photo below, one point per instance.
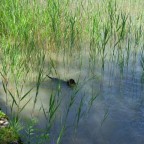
(71, 82)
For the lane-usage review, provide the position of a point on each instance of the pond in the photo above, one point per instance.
(106, 106)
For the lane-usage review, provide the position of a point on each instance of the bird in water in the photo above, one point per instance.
(71, 82)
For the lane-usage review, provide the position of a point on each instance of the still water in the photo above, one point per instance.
(111, 102)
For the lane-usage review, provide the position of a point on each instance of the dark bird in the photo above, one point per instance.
(71, 82)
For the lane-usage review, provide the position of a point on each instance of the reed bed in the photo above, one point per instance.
(31, 31)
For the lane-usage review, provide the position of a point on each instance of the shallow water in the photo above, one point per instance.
(115, 116)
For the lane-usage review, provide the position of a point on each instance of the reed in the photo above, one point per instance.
(142, 63)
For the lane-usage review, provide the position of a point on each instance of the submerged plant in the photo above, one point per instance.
(142, 65)
(30, 130)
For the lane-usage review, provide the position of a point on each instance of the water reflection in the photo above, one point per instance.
(116, 114)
